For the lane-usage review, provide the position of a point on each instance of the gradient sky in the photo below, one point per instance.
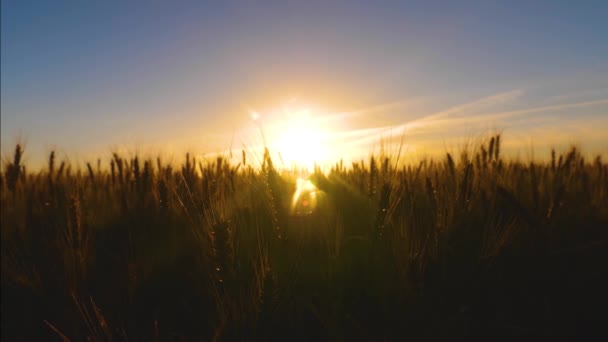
(87, 77)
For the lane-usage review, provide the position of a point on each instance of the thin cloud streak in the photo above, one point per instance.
(485, 102)
(473, 106)
(466, 107)
(435, 123)
(384, 107)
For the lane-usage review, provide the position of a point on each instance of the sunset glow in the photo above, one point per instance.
(324, 83)
(301, 140)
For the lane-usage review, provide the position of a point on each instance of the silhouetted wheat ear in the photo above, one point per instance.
(570, 157)
(75, 219)
(373, 174)
(113, 171)
(219, 166)
(223, 250)
(534, 186)
(484, 155)
(147, 176)
(91, 173)
(465, 185)
(385, 166)
(51, 172)
(451, 166)
(598, 165)
(97, 328)
(497, 147)
(77, 239)
(51, 163)
(13, 169)
(60, 171)
(556, 202)
(159, 165)
(163, 194)
(119, 166)
(136, 173)
(383, 207)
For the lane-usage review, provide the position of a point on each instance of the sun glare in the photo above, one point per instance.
(301, 140)
(305, 198)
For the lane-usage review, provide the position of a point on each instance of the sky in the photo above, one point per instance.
(91, 77)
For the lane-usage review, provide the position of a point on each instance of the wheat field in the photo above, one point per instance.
(464, 246)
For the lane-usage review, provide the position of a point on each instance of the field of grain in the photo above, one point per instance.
(465, 246)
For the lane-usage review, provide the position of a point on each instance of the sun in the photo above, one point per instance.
(301, 140)
(301, 136)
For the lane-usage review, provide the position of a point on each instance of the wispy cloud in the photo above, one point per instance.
(443, 124)
(362, 136)
(502, 116)
(375, 109)
(474, 106)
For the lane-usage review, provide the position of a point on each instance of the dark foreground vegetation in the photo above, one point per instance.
(463, 247)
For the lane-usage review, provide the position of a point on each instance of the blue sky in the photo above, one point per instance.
(88, 77)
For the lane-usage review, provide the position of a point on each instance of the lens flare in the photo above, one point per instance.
(305, 198)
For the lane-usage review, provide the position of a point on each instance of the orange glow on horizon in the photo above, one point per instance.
(298, 134)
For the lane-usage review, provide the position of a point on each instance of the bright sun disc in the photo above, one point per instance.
(301, 140)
